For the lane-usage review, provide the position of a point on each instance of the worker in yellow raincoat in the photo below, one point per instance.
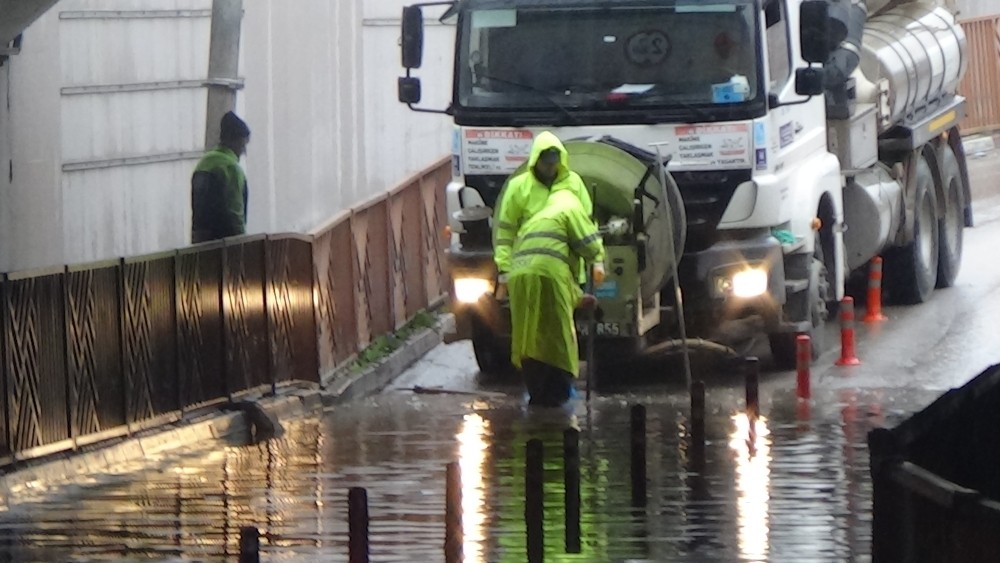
(526, 193)
(543, 283)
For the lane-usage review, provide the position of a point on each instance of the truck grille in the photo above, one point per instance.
(706, 196)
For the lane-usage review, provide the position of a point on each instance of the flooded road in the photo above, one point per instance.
(797, 489)
(803, 494)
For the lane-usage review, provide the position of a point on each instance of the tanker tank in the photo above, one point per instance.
(920, 51)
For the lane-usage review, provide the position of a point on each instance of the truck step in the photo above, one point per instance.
(795, 286)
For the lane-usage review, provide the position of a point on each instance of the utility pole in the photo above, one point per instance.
(223, 64)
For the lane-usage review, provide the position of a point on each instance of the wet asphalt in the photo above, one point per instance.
(791, 486)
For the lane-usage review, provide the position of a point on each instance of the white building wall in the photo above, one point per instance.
(133, 113)
(976, 8)
(303, 102)
(32, 204)
(107, 120)
(411, 140)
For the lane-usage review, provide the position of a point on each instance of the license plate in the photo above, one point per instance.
(603, 329)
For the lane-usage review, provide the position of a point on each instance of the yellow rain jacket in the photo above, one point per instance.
(543, 280)
(524, 196)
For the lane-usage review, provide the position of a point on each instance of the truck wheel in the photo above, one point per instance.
(952, 221)
(783, 343)
(911, 271)
(492, 353)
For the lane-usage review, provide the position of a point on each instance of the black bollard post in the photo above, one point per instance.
(534, 505)
(453, 535)
(571, 478)
(638, 431)
(249, 544)
(357, 525)
(698, 425)
(753, 393)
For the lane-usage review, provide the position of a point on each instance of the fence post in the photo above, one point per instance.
(453, 533)
(753, 388)
(698, 425)
(571, 482)
(249, 544)
(357, 525)
(534, 503)
(638, 441)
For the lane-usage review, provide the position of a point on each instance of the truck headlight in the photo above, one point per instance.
(469, 290)
(750, 282)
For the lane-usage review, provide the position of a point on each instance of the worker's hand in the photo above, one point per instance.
(587, 303)
(500, 293)
(597, 273)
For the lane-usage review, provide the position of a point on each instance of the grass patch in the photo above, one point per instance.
(386, 344)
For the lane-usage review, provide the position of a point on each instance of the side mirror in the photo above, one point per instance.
(809, 81)
(814, 31)
(409, 90)
(413, 36)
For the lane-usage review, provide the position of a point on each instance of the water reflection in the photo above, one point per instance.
(751, 445)
(472, 446)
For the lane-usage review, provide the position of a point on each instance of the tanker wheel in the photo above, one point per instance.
(952, 221)
(783, 346)
(911, 271)
(492, 353)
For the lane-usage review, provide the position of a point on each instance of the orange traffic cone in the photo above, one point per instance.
(874, 308)
(847, 355)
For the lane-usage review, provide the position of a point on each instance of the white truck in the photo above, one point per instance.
(805, 138)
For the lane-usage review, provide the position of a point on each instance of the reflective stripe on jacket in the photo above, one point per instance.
(554, 240)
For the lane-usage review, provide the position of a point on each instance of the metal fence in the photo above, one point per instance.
(101, 350)
(981, 85)
(935, 489)
(380, 263)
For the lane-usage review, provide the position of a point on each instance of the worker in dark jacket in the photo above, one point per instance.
(219, 186)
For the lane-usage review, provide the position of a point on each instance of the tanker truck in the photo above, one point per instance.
(801, 139)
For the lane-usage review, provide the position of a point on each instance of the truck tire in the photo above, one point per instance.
(911, 270)
(952, 220)
(783, 346)
(492, 353)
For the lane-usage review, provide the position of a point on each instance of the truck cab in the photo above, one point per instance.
(762, 121)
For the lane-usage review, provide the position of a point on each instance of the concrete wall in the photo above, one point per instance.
(107, 118)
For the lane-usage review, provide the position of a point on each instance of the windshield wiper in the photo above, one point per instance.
(700, 112)
(544, 94)
(659, 98)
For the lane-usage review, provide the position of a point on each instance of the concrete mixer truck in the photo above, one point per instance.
(802, 138)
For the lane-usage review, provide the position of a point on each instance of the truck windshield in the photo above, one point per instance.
(690, 59)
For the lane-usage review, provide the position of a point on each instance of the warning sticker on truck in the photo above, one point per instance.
(712, 146)
(495, 151)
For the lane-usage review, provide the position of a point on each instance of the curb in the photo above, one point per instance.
(344, 386)
(216, 425)
(211, 427)
(978, 144)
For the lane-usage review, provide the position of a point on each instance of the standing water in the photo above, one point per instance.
(794, 488)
